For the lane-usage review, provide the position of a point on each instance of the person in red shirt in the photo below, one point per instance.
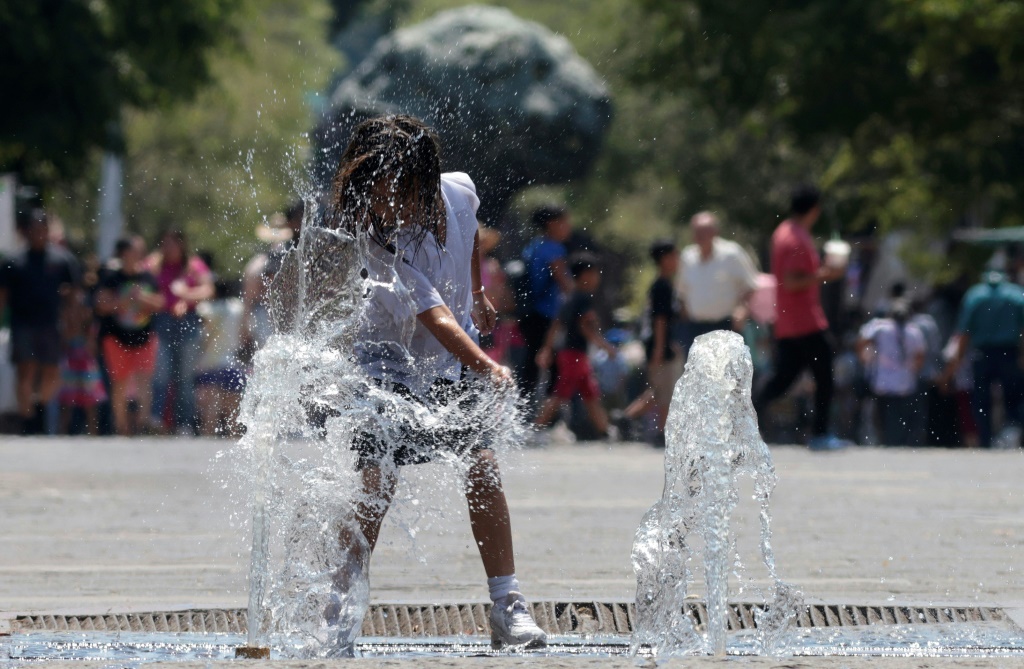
(801, 329)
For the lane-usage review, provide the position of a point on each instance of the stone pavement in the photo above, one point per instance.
(96, 525)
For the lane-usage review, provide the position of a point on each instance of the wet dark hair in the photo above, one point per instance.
(403, 155)
(804, 198)
(661, 248)
(544, 214)
(581, 262)
(122, 245)
(178, 236)
(36, 215)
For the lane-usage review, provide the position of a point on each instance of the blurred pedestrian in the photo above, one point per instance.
(495, 283)
(578, 321)
(81, 382)
(801, 329)
(892, 351)
(184, 281)
(37, 284)
(548, 282)
(127, 301)
(281, 233)
(220, 378)
(664, 360)
(715, 279)
(991, 323)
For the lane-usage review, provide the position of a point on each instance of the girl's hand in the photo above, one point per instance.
(484, 315)
(178, 287)
(502, 376)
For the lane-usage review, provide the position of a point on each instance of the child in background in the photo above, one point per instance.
(664, 358)
(421, 225)
(127, 300)
(579, 322)
(81, 383)
(219, 377)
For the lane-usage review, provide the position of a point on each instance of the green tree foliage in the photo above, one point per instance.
(915, 106)
(71, 66)
(218, 165)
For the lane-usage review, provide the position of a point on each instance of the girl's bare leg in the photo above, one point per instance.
(488, 515)
(549, 411)
(378, 492)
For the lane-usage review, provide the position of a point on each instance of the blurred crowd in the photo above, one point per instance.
(152, 341)
(149, 342)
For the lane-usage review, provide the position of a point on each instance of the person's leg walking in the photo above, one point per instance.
(598, 416)
(49, 383)
(189, 353)
(981, 398)
(119, 405)
(789, 363)
(819, 356)
(26, 371)
(1009, 374)
(162, 325)
(534, 328)
(488, 514)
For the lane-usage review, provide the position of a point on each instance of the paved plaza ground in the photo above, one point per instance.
(100, 525)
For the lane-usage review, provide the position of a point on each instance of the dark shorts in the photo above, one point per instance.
(417, 444)
(35, 343)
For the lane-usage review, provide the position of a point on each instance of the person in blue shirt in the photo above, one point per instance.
(547, 268)
(991, 321)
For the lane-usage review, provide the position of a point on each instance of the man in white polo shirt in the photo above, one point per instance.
(715, 279)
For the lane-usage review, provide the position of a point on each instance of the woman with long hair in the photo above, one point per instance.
(420, 230)
(184, 280)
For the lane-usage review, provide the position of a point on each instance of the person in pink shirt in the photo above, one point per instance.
(184, 280)
(801, 329)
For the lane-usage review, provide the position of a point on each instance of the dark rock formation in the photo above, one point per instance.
(513, 102)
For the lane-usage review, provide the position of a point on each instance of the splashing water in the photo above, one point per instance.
(306, 401)
(711, 439)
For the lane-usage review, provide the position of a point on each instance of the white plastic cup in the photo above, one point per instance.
(837, 253)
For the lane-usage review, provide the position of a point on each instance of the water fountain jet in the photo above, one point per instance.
(711, 439)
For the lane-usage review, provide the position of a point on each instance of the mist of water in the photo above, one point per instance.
(711, 440)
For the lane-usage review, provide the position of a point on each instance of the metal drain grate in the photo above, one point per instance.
(425, 621)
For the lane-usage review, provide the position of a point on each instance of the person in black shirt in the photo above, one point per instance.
(578, 320)
(126, 301)
(664, 361)
(36, 284)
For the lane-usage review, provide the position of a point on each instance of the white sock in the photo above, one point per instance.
(500, 586)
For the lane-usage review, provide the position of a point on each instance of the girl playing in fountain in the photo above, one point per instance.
(423, 271)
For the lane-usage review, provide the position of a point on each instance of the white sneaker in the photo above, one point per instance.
(512, 625)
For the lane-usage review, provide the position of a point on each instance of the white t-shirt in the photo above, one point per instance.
(712, 289)
(394, 345)
(890, 371)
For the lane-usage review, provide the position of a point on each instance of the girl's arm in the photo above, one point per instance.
(441, 323)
